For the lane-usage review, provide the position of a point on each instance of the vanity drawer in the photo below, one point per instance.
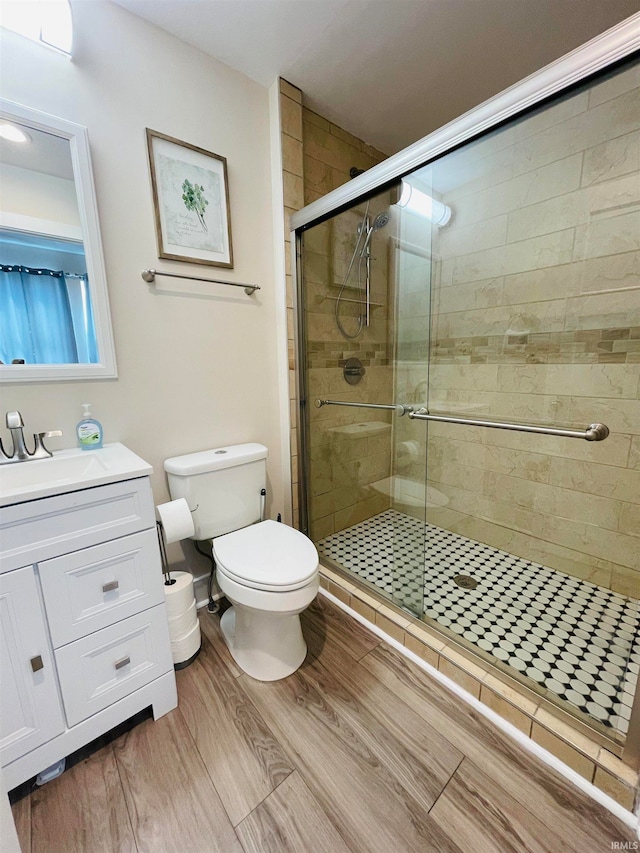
(38, 530)
(93, 588)
(100, 669)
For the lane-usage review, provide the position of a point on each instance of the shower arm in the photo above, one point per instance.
(594, 432)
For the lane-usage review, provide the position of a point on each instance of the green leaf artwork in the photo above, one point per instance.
(194, 200)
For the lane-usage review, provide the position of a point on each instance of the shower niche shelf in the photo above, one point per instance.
(362, 429)
(357, 301)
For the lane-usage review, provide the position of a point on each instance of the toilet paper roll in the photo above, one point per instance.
(176, 519)
(186, 647)
(180, 594)
(177, 641)
(182, 623)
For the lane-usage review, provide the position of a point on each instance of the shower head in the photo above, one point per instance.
(379, 222)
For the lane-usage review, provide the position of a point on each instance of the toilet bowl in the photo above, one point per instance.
(269, 572)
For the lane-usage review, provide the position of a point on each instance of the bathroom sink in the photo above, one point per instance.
(68, 470)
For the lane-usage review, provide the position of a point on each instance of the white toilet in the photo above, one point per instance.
(267, 570)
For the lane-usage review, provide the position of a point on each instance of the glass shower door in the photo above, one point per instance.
(410, 271)
(535, 558)
(360, 515)
(498, 283)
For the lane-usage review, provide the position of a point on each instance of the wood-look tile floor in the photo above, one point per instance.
(360, 750)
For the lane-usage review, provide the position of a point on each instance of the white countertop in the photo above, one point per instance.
(68, 471)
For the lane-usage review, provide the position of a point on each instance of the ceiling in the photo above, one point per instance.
(44, 152)
(388, 71)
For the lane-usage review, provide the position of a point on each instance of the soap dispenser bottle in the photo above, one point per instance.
(89, 430)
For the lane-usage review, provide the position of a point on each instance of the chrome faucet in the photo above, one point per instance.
(19, 452)
(15, 425)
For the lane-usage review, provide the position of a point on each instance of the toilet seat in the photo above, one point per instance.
(264, 587)
(267, 556)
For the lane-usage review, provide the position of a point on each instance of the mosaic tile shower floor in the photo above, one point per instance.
(575, 639)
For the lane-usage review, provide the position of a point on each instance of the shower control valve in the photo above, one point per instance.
(353, 370)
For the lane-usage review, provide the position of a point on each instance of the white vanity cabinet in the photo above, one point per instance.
(84, 630)
(31, 709)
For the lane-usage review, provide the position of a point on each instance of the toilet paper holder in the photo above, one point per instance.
(162, 545)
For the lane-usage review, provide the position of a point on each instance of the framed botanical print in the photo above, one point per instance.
(191, 202)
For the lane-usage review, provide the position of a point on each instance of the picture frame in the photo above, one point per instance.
(191, 202)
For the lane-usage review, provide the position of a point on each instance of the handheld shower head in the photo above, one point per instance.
(365, 229)
(379, 222)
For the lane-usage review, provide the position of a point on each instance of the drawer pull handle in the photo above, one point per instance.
(122, 662)
(108, 587)
(36, 663)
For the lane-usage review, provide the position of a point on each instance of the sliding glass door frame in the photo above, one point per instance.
(601, 53)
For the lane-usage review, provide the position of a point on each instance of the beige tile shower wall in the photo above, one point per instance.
(329, 154)
(350, 448)
(345, 457)
(537, 317)
(317, 156)
(293, 194)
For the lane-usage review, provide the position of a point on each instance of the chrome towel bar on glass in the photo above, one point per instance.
(594, 432)
(400, 408)
(150, 275)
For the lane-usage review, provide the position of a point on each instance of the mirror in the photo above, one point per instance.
(54, 309)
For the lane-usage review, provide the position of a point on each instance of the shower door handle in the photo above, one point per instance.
(594, 432)
(400, 408)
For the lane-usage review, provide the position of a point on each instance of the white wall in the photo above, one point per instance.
(36, 194)
(198, 365)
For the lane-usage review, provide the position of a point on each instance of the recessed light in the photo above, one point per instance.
(13, 133)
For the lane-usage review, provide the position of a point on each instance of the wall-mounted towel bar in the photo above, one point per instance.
(594, 432)
(150, 275)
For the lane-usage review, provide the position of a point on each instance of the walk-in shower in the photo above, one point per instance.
(484, 473)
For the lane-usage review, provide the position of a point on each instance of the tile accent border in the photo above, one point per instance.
(334, 353)
(587, 752)
(583, 346)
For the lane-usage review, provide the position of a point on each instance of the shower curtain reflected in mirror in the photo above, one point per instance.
(45, 317)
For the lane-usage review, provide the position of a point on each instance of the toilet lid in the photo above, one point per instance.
(268, 555)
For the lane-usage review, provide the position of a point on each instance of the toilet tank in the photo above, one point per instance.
(221, 486)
